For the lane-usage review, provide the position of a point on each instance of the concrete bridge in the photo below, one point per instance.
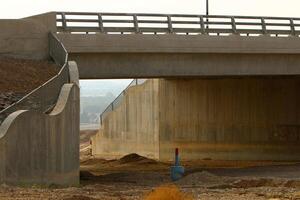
(122, 45)
(239, 94)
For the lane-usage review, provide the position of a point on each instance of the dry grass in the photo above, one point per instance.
(167, 192)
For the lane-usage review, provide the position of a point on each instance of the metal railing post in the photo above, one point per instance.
(293, 33)
(64, 23)
(136, 24)
(100, 21)
(233, 25)
(170, 27)
(202, 25)
(263, 26)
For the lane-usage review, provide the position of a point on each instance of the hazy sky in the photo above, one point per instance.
(23, 8)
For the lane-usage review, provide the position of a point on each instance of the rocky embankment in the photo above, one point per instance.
(8, 98)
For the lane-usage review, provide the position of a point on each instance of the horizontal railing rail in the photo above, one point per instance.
(113, 105)
(140, 23)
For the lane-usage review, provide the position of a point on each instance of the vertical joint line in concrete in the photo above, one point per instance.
(263, 26)
(170, 27)
(136, 24)
(100, 21)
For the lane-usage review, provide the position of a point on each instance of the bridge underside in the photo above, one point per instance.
(143, 65)
(143, 56)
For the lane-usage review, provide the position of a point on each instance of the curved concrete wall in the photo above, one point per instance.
(39, 140)
(36, 148)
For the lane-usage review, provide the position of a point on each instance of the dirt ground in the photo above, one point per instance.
(136, 177)
(21, 76)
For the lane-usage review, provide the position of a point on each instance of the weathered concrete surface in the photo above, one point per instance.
(133, 126)
(232, 119)
(36, 148)
(173, 43)
(28, 37)
(246, 118)
(171, 55)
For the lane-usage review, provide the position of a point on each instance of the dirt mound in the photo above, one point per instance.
(168, 192)
(203, 178)
(261, 182)
(130, 158)
(79, 197)
(292, 184)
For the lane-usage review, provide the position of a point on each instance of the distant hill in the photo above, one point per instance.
(96, 95)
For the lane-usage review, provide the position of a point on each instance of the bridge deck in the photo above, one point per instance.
(116, 45)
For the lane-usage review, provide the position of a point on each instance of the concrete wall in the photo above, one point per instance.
(244, 118)
(133, 126)
(36, 148)
(28, 37)
(39, 148)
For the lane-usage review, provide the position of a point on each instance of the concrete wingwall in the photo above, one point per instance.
(39, 136)
(241, 118)
(36, 148)
(42, 147)
(133, 126)
(27, 37)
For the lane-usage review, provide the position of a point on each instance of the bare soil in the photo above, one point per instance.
(137, 177)
(21, 76)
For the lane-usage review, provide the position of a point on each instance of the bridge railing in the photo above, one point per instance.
(113, 105)
(126, 23)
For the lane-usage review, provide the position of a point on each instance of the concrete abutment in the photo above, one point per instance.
(240, 118)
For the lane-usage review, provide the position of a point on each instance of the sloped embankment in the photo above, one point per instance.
(21, 76)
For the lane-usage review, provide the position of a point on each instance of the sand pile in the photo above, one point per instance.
(168, 192)
(204, 178)
(130, 158)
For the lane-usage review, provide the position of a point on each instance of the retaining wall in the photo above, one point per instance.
(241, 118)
(133, 126)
